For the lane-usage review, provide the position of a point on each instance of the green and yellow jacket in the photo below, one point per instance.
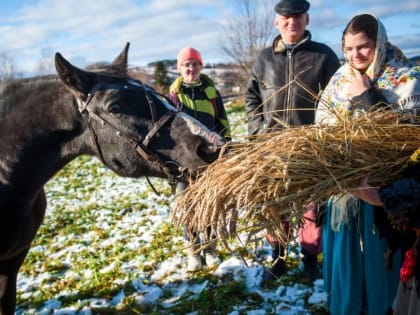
(201, 101)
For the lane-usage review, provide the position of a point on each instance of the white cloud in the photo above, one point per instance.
(97, 30)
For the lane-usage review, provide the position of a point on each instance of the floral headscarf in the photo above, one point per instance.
(390, 72)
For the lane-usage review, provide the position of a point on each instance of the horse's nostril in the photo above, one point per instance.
(208, 153)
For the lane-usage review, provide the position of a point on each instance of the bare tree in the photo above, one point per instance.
(46, 63)
(7, 68)
(250, 30)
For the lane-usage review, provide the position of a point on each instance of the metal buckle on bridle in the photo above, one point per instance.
(174, 173)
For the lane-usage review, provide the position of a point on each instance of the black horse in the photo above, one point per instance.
(45, 122)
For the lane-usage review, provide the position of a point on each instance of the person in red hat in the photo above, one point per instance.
(195, 94)
(282, 91)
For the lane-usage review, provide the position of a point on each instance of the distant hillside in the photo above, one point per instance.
(415, 60)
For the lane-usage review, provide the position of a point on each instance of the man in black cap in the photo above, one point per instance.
(282, 91)
(292, 7)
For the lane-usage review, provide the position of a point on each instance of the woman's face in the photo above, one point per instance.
(359, 50)
(190, 70)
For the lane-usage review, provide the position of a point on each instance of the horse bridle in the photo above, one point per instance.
(173, 171)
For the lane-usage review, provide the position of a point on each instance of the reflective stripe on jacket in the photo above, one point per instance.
(203, 102)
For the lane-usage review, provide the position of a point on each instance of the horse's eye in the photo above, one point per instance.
(114, 108)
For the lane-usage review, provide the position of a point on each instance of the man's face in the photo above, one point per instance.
(291, 27)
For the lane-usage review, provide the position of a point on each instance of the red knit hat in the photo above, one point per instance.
(188, 53)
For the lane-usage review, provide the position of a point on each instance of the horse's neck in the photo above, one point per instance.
(39, 135)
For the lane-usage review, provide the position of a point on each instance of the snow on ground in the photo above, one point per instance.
(169, 274)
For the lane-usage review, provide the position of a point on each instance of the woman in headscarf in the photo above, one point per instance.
(375, 74)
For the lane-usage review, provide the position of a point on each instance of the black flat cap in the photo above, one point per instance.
(291, 7)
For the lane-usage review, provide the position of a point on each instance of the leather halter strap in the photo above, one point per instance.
(169, 167)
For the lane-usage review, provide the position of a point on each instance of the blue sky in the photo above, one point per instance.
(97, 30)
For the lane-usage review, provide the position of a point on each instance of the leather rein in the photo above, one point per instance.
(170, 168)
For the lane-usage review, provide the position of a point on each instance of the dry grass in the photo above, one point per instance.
(269, 179)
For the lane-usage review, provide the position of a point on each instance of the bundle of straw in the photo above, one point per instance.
(272, 178)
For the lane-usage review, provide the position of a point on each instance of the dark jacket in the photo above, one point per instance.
(401, 198)
(284, 84)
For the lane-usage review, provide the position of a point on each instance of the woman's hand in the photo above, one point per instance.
(358, 84)
(366, 192)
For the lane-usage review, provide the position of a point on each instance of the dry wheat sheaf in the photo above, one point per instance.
(270, 179)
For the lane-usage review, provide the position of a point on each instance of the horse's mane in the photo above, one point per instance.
(15, 84)
(99, 67)
(9, 88)
(22, 82)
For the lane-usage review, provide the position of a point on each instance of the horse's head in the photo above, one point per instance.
(129, 123)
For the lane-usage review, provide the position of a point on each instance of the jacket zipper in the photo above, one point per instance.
(289, 86)
(193, 99)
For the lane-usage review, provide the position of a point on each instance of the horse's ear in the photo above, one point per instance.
(77, 80)
(122, 59)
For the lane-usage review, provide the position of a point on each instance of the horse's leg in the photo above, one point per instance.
(8, 276)
(3, 286)
(9, 267)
